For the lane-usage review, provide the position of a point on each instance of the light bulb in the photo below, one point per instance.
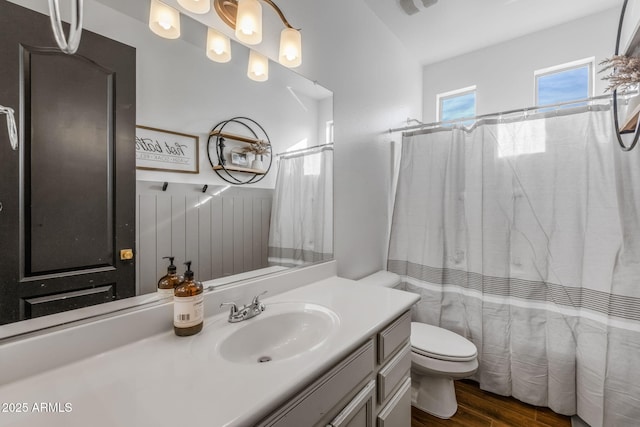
(164, 20)
(258, 69)
(218, 46)
(290, 48)
(249, 21)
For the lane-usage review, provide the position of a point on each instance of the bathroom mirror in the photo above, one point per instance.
(180, 90)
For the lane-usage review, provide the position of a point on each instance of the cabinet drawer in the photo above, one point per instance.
(398, 410)
(394, 372)
(317, 400)
(393, 336)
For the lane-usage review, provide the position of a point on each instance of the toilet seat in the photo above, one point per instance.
(438, 343)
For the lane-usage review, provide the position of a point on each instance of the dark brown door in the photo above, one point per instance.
(68, 194)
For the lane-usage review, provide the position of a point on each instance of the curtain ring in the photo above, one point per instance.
(75, 32)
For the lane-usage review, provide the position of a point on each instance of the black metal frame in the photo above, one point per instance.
(636, 136)
(219, 141)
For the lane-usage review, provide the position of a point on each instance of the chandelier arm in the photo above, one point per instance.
(279, 12)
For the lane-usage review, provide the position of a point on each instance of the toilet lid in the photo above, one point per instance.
(439, 343)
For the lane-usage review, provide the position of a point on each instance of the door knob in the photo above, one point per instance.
(126, 254)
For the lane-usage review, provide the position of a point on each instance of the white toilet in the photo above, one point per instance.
(438, 357)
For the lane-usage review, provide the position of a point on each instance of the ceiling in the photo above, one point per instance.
(455, 27)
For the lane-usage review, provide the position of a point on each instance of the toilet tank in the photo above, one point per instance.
(381, 278)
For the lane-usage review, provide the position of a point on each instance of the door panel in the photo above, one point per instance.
(68, 195)
(69, 211)
(41, 306)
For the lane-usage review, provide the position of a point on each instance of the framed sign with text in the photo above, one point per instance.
(164, 150)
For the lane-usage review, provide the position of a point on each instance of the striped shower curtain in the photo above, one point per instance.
(301, 229)
(523, 235)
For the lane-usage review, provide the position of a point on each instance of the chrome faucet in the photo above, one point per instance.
(247, 311)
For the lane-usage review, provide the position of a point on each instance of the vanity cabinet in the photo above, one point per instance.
(369, 388)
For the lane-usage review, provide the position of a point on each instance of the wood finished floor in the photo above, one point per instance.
(477, 408)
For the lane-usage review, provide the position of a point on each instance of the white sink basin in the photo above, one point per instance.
(282, 331)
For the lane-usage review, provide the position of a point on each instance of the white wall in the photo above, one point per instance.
(503, 73)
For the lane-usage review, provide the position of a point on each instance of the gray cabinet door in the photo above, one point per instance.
(68, 193)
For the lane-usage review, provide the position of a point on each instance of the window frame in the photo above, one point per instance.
(567, 66)
(453, 94)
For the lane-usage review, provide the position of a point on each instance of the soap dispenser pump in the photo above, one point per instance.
(168, 282)
(188, 305)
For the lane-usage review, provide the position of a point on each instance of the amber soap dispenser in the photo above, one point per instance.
(188, 305)
(168, 282)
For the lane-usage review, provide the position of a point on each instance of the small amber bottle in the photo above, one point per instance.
(188, 305)
(168, 282)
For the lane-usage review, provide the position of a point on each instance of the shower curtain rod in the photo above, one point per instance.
(626, 95)
(305, 150)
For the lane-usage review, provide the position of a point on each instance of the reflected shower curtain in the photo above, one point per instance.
(301, 228)
(524, 237)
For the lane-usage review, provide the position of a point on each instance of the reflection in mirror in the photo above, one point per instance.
(226, 230)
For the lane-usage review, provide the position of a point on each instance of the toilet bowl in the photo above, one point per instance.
(438, 357)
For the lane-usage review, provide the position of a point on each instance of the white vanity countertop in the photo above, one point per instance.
(167, 380)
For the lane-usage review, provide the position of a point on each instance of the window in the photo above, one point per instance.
(566, 82)
(328, 132)
(456, 104)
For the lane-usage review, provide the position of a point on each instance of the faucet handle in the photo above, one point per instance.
(234, 307)
(256, 299)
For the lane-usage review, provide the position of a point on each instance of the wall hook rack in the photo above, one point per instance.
(164, 186)
(204, 188)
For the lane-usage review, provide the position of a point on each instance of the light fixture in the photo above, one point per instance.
(164, 20)
(196, 6)
(245, 16)
(218, 46)
(258, 69)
